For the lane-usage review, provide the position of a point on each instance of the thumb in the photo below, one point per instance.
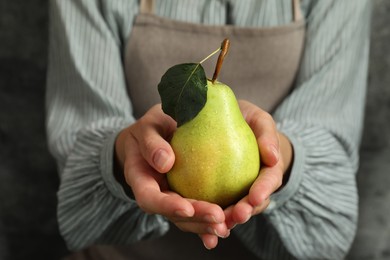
(162, 159)
(155, 149)
(150, 132)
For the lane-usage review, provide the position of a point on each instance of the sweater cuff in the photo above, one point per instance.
(280, 197)
(107, 168)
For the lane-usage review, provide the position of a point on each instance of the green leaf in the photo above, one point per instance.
(183, 91)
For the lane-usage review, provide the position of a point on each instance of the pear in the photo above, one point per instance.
(217, 156)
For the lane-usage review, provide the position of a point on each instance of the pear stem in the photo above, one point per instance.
(224, 50)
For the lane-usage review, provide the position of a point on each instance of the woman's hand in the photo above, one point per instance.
(276, 156)
(144, 154)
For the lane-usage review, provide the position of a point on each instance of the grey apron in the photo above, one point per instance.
(260, 67)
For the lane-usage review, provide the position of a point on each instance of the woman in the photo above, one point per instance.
(306, 70)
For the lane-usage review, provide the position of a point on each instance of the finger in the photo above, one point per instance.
(260, 208)
(155, 202)
(205, 212)
(150, 198)
(150, 132)
(146, 186)
(242, 211)
(230, 223)
(209, 241)
(265, 131)
(219, 230)
(268, 181)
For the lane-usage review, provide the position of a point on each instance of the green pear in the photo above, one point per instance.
(217, 156)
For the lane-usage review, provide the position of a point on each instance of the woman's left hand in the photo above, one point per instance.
(276, 156)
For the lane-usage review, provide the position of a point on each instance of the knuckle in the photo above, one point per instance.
(278, 181)
(142, 205)
(266, 116)
(126, 172)
(274, 181)
(262, 114)
(149, 145)
(263, 118)
(181, 227)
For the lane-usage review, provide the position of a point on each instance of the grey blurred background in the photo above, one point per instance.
(28, 178)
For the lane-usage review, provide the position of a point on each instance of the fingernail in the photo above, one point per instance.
(247, 218)
(208, 248)
(221, 236)
(161, 159)
(182, 214)
(231, 225)
(275, 152)
(210, 219)
(227, 234)
(211, 231)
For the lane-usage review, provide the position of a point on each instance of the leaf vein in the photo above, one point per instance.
(185, 84)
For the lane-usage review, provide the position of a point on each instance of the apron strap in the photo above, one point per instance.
(297, 13)
(147, 7)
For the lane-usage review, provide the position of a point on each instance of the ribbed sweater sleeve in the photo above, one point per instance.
(315, 214)
(87, 105)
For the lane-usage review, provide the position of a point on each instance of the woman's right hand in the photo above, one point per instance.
(144, 154)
